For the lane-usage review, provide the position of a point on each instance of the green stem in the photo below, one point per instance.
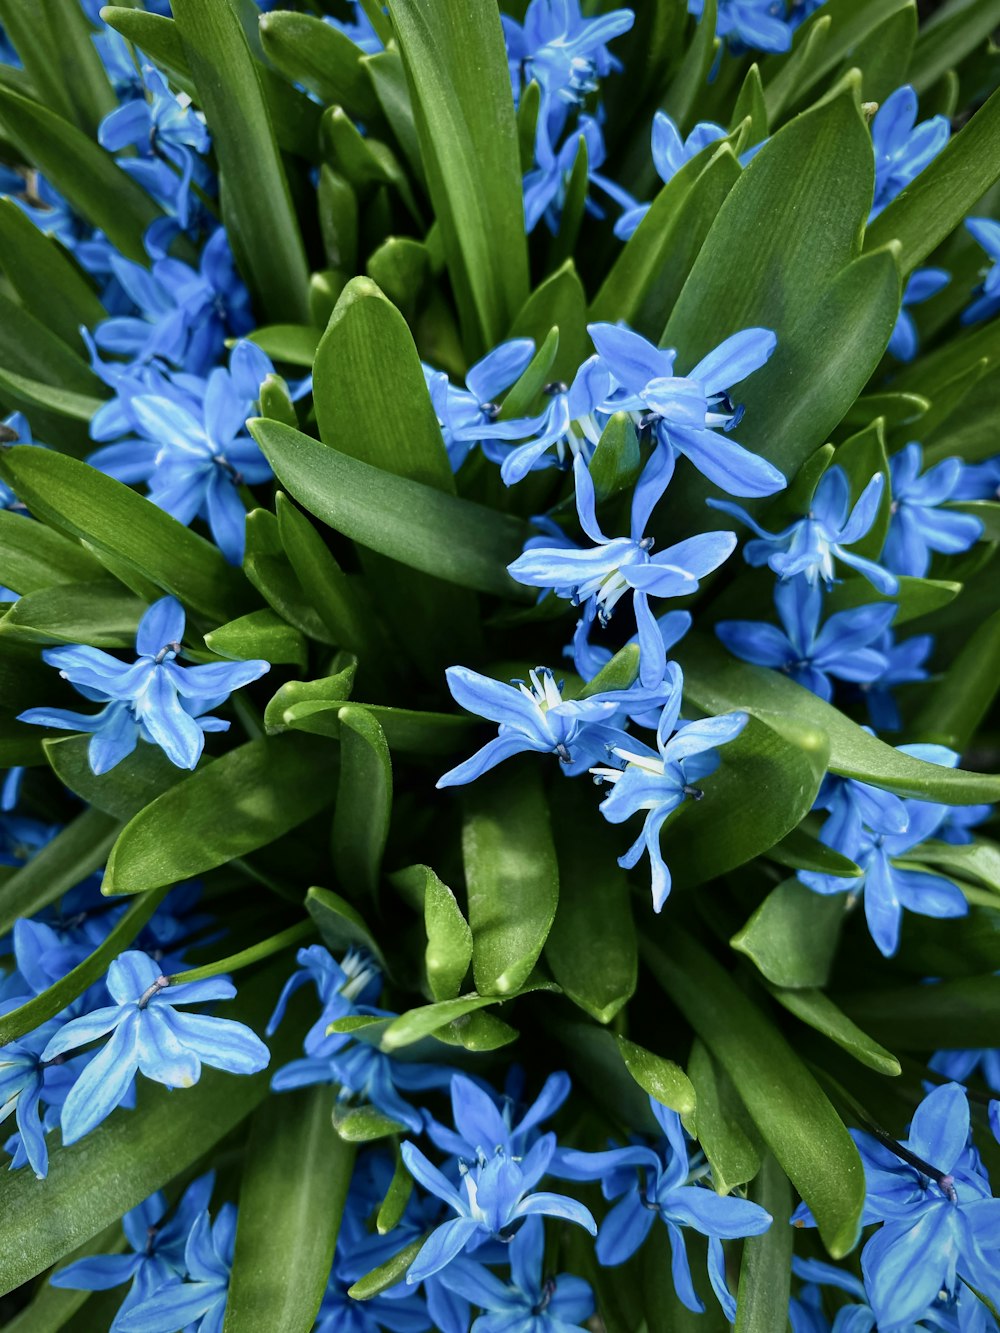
(284, 940)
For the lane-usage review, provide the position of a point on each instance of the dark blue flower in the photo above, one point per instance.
(979, 481)
(150, 1036)
(902, 147)
(23, 1075)
(663, 1182)
(342, 988)
(922, 284)
(478, 1120)
(154, 699)
(657, 782)
(960, 821)
(905, 665)
(810, 655)
(759, 25)
(920, 524)
(686, 413)
(198, 1302)
(987, 297)
(809, 545)
(545, 185)
(615, 567)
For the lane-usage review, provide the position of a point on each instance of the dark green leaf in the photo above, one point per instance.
(815, 1008)
(311, 52)
(363, 1124)
(798, 851)
(693, 73)
(388, 1274)
(260, 634)
(558, 302)
(449, 938)
(511, 876)
(268, 567)
(792, 1113)
(397, 1197)
(291, 1199)
(54, 43)
(293, 343)
(948, 37)
(915, 597)
(46, 280)
(36, 557)
(978, 861)
(341, 925)
(31, 350)
(364, 801)
(103, 615)
(959, 1014)
(721, 1124)
(74, 853)
(266, 787)
(765, 1271)
(662, 1079)
(131, 785)
(459, 79)
(963, 697)
(256, 203)
(395, 516)
(330, 690)
(793, 934)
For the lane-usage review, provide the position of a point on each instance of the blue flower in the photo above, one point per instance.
(921, 286)
(494, 1195)
(810, 655)
(662, 1182)
(589, 658)
(960, 821)
(192, 447)
(905, 665)
(902, 147)
(341, 1313)
(959, 1066)
(15, 430)
(23, 1075)
(670, 152)
(919, 523)
(157, 1250)
(759, 25)
(338, 985)
(890, 888)
(468, 415)
(808, 546)
(199, 1301)
(479, 1121)
(686, 413)
(569, 427)
(151, 1036)
(617, 566)
(155, 699)
(979, 481)
(987, 298)
(659, 781)
(529, 1302)
(359, 28)
(545, 186)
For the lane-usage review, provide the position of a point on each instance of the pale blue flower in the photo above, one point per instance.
(987, 296)
(922, 284)
(198, 1303)
(902, 147)
(920, 524)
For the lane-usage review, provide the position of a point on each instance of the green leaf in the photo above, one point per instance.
(256, 203)
(401, 267)
(967, 690)
(52, 1307)
(88, 177)
(934, 204)
(722, 1126)
(311, 52)
(293, 343)
(118, 522)
(948, 37)
(793, 935)
(395, 516)
(962, 1013)
(103, 615)
(340, 924)
(44, 277)
(48, 1003)
(54, 43)
(386, 1275)
(266, 787)
(28, 393)
(267, 566)
(449, 938)
(519, 400)
(617, 460)
(131, 785)
(397, 1197)
(766, 783)
(766, 1267)
(253, 953)
(260, 634)
(36, 557)
(716, 682)
(74, 853)
(329, 690)
(459, 80)
(292, 1197)
(915, 597)
(662, 1079)
(558, 302)
(363, 1124)
(591, 947)
(478, 1031)
(861, 457)
(786, 1103)
(30, 349)
(798, 851)
(693, 73)
(364, 801)
(511, 875)
(424, 1021)
(978, 861)
(131, 1155)
(427, 735)
(815, 1008)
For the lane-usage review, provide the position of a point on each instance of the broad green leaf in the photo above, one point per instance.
(132, 1154)
(806, 62)
(962, 947)
(519, 400)
(48, 1003)
(766, 1267)
(256, 202)
(721, 1124)
(293, 343)
(786, 1103)
(292, 1196)
(884, 55)
(717, 682)
(337, 204)
(427, 735)
(591, 947)
(101, 614)
(558, 302)
(948, 37)
(478, 1031)
(51, 287)
(36, 557)
(388, 1274)
(74, 853)
(459, 80)
(662, 1079)
(88, 177)
(332, 690)
(131, 785)
(339, 923)
(793, 935)
(395, 516)
(449, 938)
(401, 267)
(963, 697)
(693, 73)
(266, 787)
(766, 783)
(799, 851)
(267, 566)
(54, 43)
(815, 1008)
(311, 52)
(962, 1013)
(424, 1021)
(389, 79)
(30, 349)
(364, 801)
(935, 203)
(117, 521)
(259, 634)
(617, 459)
(978, 861)
(28, 394)
(915, 597)
(511, 876)
(52, 1307)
